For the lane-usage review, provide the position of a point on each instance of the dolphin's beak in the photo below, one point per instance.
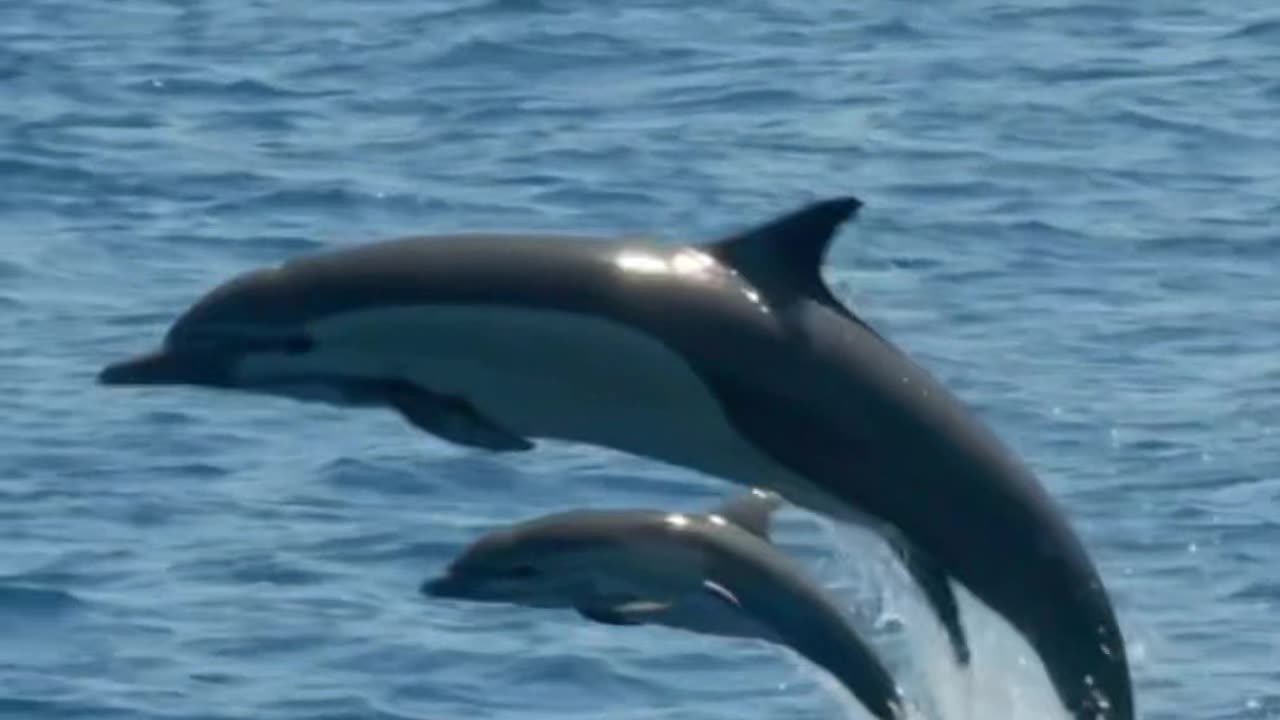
(166, 367)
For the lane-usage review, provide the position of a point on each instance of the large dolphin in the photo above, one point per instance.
(730, 357)
(715, 573)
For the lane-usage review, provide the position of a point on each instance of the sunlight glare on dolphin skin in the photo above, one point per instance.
(678, 520)
(692, 262)
(642, 263)
(686, 262)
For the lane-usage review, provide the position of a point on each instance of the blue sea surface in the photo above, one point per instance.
(1070, 219)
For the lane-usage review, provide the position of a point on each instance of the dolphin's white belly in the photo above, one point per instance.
(546, 374)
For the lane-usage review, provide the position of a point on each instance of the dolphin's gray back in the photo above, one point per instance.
(553, 272)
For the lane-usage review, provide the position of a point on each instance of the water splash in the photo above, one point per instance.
(1006, 679)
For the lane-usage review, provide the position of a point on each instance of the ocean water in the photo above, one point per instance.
(1070, 219)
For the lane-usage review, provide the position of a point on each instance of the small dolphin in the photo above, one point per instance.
(715, 573)
(732, 358)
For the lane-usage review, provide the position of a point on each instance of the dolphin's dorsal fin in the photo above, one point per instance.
(784, 256)
(751, 511)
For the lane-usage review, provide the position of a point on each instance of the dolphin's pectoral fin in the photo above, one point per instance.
(451, 418)
(938, 592)
(606, 615)
(623, 612)
(712, 609)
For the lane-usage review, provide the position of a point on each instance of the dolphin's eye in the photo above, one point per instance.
(521, 571)
(297, 344)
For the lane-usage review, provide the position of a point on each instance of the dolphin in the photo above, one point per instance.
(716, 573)
(730, 357)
